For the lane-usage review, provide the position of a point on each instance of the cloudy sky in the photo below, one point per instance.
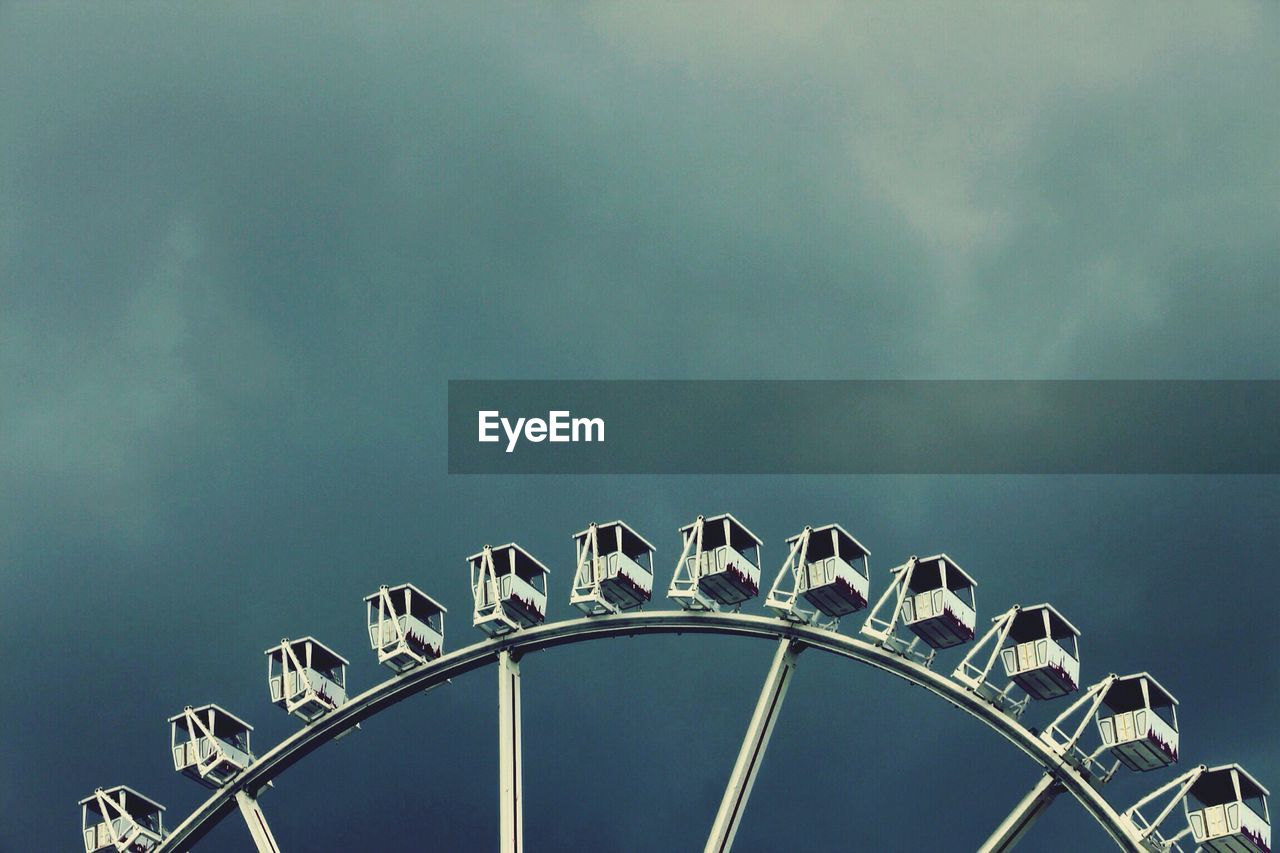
(243, 249)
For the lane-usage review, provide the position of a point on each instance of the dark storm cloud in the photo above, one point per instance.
(241, 251)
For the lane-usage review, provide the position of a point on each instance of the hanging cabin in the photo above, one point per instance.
(1042, 654)
(509, 589)
(1227, 811)
(1138, 722)
(209, 744)
(833, 575)
(939, 606)
(306, 677)
(719, 565)
(614, 569)
(406, 626)
(121, 819)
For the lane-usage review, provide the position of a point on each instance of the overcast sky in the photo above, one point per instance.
(242, 250)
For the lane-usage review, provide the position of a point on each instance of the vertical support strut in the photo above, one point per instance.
(754, 744)
(1013, 827)
(263, 840)
(511, 807)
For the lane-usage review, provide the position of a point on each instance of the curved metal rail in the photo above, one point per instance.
(384, 695)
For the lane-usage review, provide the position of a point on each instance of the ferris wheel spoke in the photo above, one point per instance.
(754, 744)
(1025, 813)
(257, 822)
(510, 764)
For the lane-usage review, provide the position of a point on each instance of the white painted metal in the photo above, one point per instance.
(883, 631)
(396, 689)
(1063, 737)
(259, 830)
(406, 626)
(510, 758)
(824, 577)
(614, 569)
(975, 670)
(121, 819)
(509, 589)
(209, 744)
(307, 678)
(1147, 829)
(1024, 814)
(754, 744)
(714, 571)
(877, 627)
(1110, 704)
(1065, 732)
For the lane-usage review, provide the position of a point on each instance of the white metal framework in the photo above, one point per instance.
(1226, 809)
(1137, 726)
(1147, 825)
(1067, 730)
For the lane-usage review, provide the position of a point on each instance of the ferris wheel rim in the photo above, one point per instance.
(385, 694)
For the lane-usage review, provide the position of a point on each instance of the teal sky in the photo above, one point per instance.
(243, 249)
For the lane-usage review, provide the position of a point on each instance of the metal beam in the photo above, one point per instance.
(510, 766)
(756, 741)
(456, 663)
(1013, 827)
(257, 822)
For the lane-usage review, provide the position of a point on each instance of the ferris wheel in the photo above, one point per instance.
(1024, 654)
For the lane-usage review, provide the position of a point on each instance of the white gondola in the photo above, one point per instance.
(1227, 811)
(307, 678)
(1138, 722)
(209, 744)
(934, 598)
(509, 589)
(1043, 654)
(406, 626)
(121, 819)
(939, 606)
(1039, 651)
(714, 570)
(827, 568)
(614, 569)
